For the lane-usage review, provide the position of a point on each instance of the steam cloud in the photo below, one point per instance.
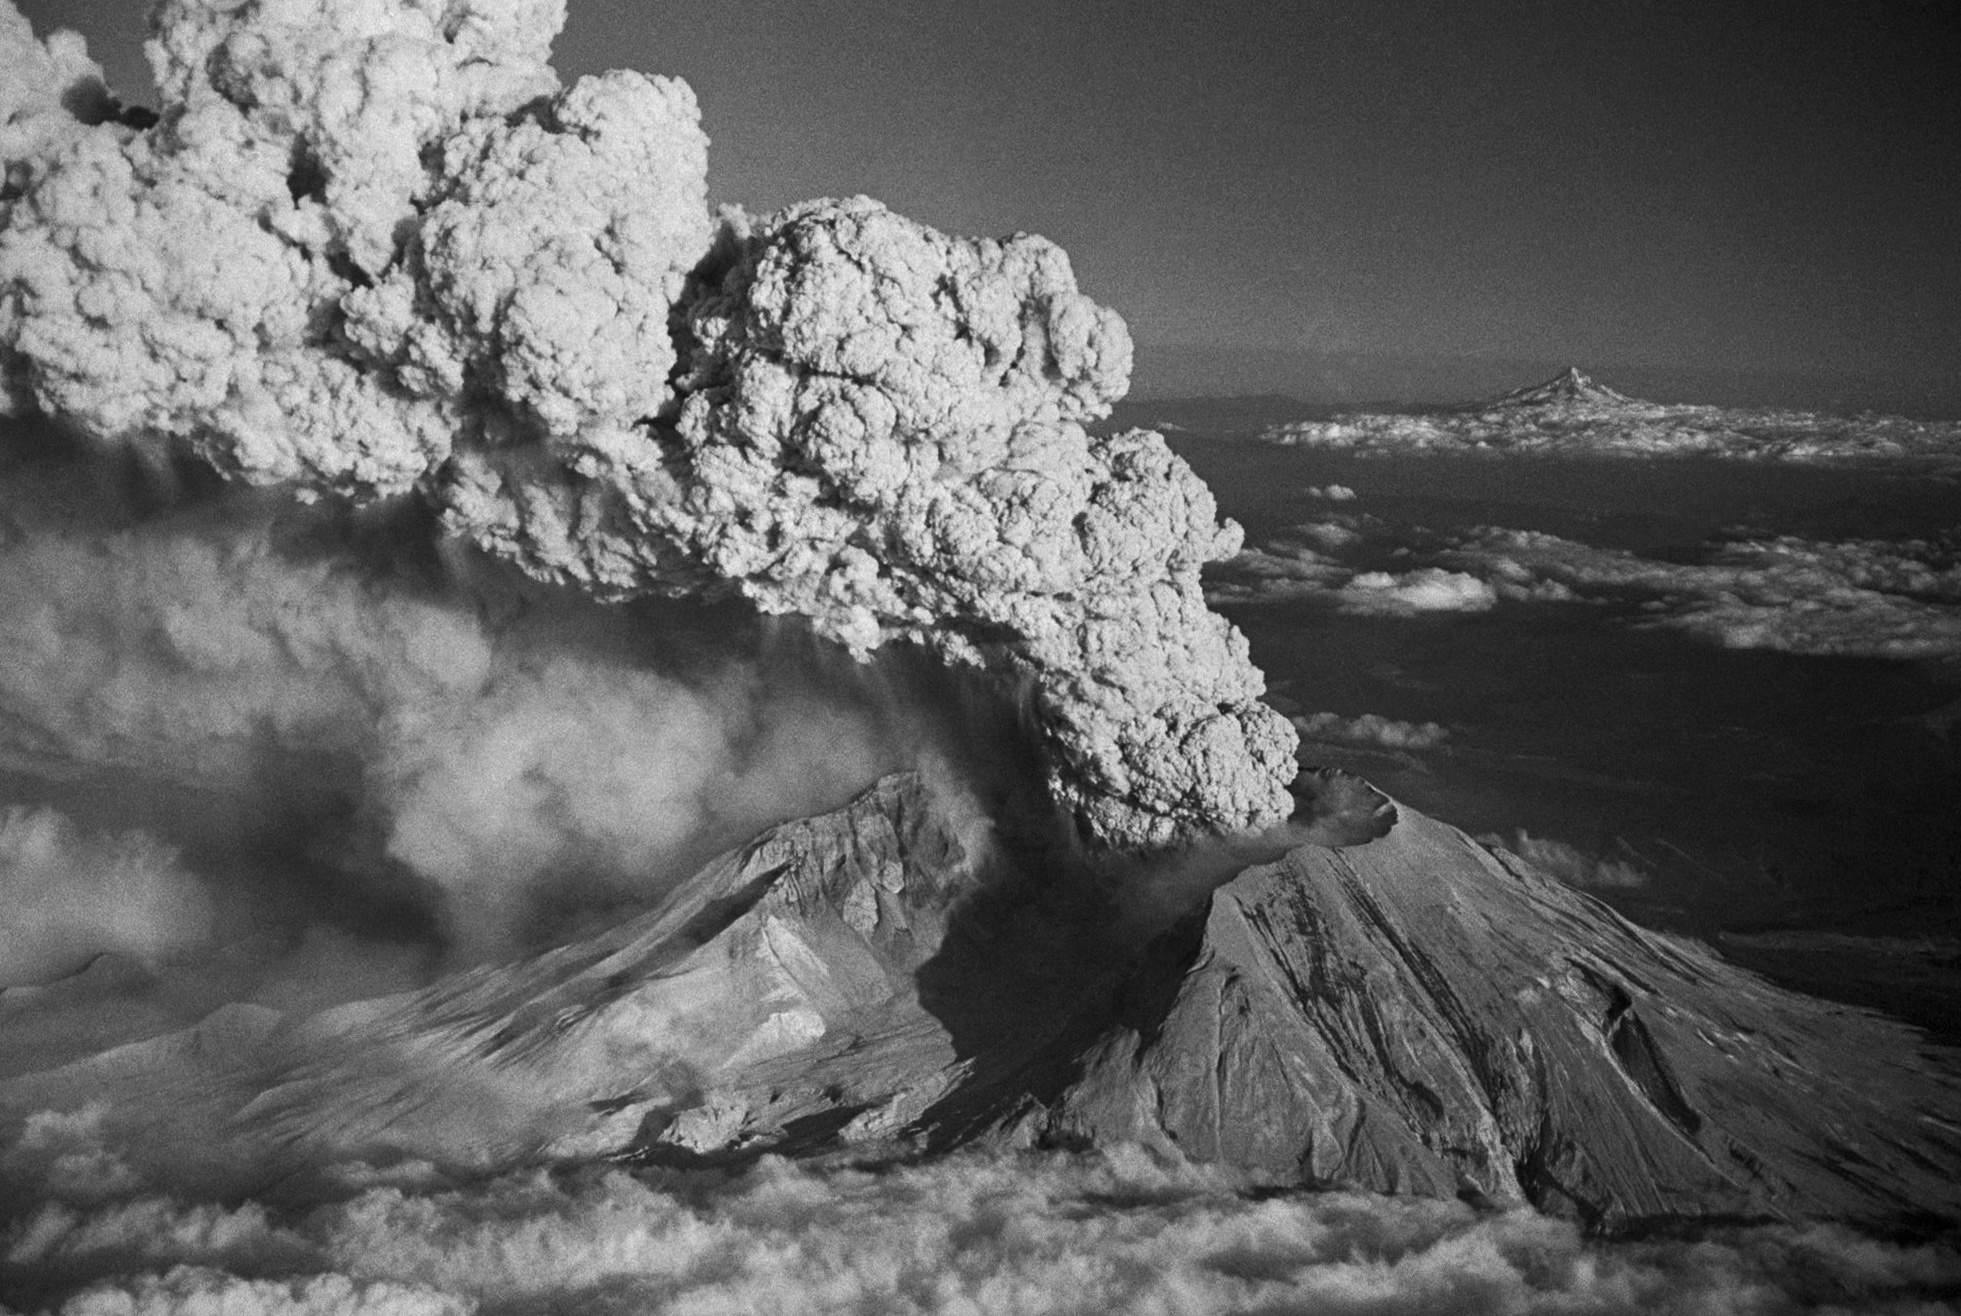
(1570, 864)
(379, 248)
(491, 750)
(70, 894)
(1879, 598)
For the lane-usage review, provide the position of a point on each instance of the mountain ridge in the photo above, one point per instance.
(1402, 1010)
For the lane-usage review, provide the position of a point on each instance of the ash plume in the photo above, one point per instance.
(330, 721)
(373, 249)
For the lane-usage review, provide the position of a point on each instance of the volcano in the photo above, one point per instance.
(1569, 389)
(452, 354)
(1389, 1006)
(1574, 415)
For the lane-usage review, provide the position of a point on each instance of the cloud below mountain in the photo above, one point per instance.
(1371, 729)
(1856, 598)
(1053, 1233)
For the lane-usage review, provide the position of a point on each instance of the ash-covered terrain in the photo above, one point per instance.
(1386, 1005)
(564, 751)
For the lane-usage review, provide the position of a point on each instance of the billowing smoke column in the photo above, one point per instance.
(373, 246)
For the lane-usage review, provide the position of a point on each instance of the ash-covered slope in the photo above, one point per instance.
(1412, 1014)
(1422, 1014)
(775, 987)
(1574, 415)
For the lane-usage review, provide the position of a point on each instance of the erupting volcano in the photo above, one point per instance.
(518, 447)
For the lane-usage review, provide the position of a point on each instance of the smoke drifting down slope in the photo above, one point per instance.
(378, 248)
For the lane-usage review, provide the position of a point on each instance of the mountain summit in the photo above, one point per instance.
(1393, 1008)
(1570, 388)
(1574, 415)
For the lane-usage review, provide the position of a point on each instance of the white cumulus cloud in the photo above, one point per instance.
(1010, 1232)
(1427, 589)
(1860, 597)
(1371, 729)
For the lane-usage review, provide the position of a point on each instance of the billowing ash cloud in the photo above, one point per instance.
(333, 698)
(1877, 598)
(375, 248)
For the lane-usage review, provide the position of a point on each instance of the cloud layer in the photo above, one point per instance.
(1025, 1233)
(1860, 598)
(1878, 598)
(1371, 729)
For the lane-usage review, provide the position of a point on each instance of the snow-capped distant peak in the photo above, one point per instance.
(1572, 414)
(1571, 387)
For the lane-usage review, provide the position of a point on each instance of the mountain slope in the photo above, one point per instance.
(1412, 1013)
(1569, 389)
(1422, 1014)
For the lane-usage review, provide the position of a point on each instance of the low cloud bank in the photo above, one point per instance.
(1404, 594)
(1371, 729)
(1858, 598)
(1024, 1233)
(1570, 864)
(1288, 570)
(1298, 565)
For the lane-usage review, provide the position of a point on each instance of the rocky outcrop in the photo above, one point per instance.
(1412, 1013)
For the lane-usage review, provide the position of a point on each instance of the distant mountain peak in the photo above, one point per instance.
(1571, 387)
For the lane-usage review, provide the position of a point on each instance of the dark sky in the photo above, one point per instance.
(1743, 184)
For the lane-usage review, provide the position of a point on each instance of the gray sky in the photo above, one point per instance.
(1745, 185)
